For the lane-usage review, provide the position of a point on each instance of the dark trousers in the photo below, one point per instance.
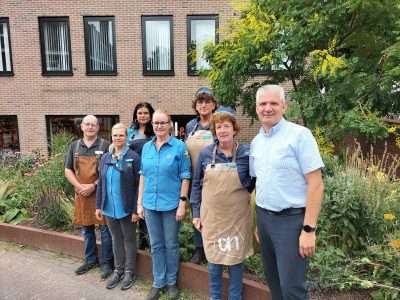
(89, 237)
(123, 233)
(283, 265)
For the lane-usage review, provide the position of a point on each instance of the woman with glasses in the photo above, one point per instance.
(116, 200)
(197, 136)
(163, 191)
(220, 201)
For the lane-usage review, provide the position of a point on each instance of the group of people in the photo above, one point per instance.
(147, 177)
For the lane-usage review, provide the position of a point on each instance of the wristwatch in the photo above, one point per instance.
(308, 228)
(183, 198)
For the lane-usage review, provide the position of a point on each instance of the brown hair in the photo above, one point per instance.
(220, 117)
(203, 96)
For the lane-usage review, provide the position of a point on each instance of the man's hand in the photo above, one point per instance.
(87, 189)
(135, 218)
(99, 215)
(180, 212)
(256, 235)
(140, 211)
(307, 244)
(197, 223)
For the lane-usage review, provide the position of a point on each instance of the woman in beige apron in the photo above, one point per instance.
(221, 205)
(198, 135)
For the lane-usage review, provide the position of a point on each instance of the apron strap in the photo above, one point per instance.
(214, 154)
(194, 129)
(76, 157)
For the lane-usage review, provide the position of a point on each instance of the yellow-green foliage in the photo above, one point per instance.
(326, 147)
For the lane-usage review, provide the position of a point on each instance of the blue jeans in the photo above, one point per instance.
(215, 286)
(163, 232)
(89, 236)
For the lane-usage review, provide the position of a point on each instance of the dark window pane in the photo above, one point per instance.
(100, 45)
(5, 48)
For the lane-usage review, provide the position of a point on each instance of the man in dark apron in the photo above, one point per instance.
(81, 170)
(198, 135)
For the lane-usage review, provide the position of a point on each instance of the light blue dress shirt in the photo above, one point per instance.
(163, 172)
(113, 206)
(279, 160)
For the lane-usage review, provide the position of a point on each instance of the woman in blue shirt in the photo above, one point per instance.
(140, 132)
(220, 201)
(163, 191)
(116, 200)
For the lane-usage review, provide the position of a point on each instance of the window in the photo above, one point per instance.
(71, 124)
(157, 39)
(55, 46)
(201, 30)
(5, 48)
(100, 46)
(9, 140)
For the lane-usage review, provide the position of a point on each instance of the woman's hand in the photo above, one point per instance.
(135, 218)
(99, 215)
(140, 211)
(197, 223)
(180, 212)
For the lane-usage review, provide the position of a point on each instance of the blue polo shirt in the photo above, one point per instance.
(279, 160)
(163, 172)
(113, 206)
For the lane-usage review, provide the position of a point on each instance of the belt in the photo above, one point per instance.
(286, 212)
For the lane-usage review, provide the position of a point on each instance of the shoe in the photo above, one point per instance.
(86, 267)
(114, 280)
(154, 294)
(198, 256)
(106, 271)
(128, 281)
(173, 292)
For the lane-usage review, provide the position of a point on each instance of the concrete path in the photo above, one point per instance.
(27, 274)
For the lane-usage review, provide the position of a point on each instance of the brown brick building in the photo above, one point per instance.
(60, 59)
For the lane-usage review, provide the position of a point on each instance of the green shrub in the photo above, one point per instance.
(186, 243)
(54, 209)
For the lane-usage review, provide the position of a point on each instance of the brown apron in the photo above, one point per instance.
(85, 207)
(225, 214)
(196, 141)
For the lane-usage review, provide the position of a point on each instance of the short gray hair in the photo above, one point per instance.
(271, 87)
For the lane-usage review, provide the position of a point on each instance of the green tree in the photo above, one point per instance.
(341, 58)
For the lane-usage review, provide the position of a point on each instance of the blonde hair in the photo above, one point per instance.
(120, 126)
(164, 112)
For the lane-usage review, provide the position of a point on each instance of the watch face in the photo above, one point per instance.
(308, 228)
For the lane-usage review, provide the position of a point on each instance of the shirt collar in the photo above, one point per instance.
(169, 141)
(96, 143)
(273, 130)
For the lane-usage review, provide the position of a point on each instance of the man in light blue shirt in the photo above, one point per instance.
(285, 160)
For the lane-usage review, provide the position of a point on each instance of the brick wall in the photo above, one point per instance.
(31, 96)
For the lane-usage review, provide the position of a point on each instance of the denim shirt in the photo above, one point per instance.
(205, 158)
(194, 125)
(280, 160)
(163, 171)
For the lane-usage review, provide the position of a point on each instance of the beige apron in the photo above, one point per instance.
(85, 207)
(225, 214)
(196, 141)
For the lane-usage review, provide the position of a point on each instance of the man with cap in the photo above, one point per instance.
(81, 170)
(198, 135)
(286, 162)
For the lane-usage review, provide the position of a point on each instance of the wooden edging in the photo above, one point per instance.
(191, 276)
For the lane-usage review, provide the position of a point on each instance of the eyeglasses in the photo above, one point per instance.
(162, 124)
